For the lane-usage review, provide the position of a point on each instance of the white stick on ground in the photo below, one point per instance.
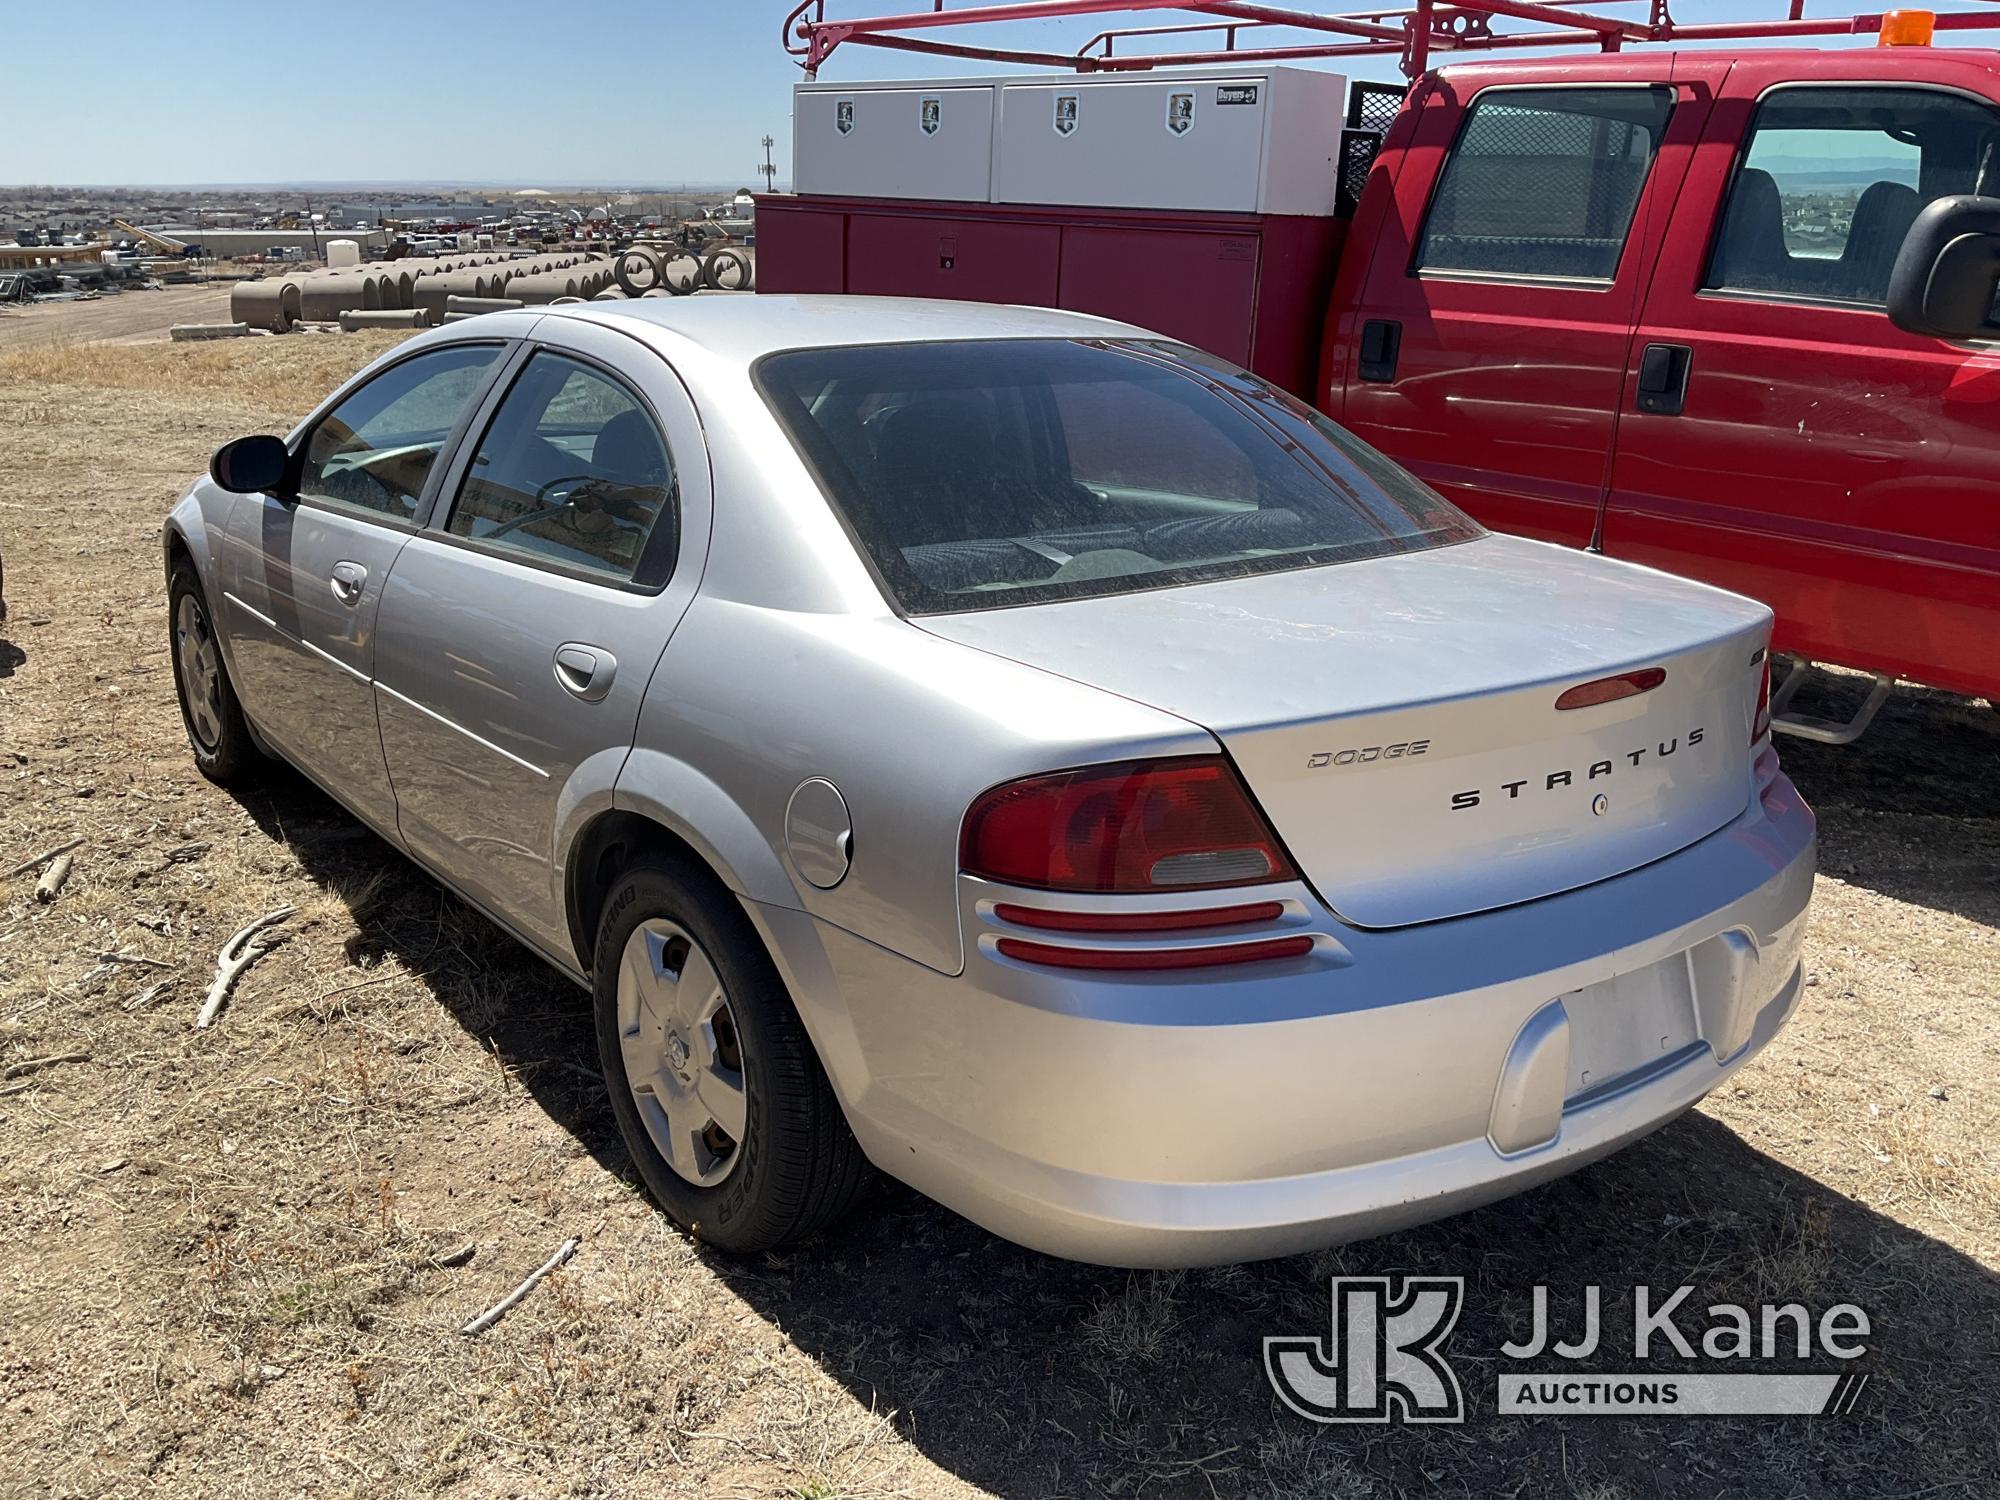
(36, 1064)
(238, 954)
(506, 1304)
(43, 858)
(55, 878)
(149, 994)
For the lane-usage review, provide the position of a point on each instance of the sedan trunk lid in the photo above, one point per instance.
(1396, 718)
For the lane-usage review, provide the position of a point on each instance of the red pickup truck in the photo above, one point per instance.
(1731, 314)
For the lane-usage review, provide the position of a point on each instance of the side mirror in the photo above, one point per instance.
(250, 465)
(1947, 273)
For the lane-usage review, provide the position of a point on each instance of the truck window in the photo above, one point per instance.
(1830, 180)
(1543, 182)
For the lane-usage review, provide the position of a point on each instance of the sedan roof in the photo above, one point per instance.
(745, 328)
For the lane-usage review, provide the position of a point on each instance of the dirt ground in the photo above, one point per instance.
(237, 1259)
(117, 318)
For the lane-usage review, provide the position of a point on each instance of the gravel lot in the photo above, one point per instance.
(239, 1257)
(118, 318)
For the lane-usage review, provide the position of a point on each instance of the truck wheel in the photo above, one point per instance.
(223, 749)
(715, 1086)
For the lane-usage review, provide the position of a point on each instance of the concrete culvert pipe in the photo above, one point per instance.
(406, 289)
(682, 274)
(371, 294)
(729, 270)
(610, 294)
(388, 317)
(325, 298)
(265, 304)
(436, 291)
(537, 291)
(430, 299)
(640, 269)
(477, 305)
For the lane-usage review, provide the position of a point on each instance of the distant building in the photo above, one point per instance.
(225, 243)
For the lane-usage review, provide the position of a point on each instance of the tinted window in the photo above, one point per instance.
(1831, 179)
(572, 470)
(374, 451)
(1543, 182)
(982, 474)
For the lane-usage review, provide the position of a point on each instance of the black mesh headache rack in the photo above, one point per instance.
(1230, 32)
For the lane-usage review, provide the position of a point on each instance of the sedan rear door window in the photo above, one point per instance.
(374, 451)
(572, 472)
(981, 474)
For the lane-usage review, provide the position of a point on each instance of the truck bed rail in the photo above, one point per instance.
(1412, 34)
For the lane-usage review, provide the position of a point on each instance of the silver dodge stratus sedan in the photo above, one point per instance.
(1016, 751)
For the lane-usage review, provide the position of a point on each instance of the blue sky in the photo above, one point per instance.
(524, 92)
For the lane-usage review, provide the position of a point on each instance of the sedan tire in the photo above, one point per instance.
(716, 1088)
(223, 749)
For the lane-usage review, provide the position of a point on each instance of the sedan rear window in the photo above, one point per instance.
(979, 474)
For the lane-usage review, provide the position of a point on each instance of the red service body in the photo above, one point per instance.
(1633, 300)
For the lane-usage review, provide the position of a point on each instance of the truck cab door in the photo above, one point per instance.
(1779, 435)
(1488, 346)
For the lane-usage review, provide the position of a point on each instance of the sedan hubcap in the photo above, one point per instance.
(201, 672)
(683, 1055)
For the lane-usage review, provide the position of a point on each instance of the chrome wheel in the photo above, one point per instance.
(201, 672)
(682, 1052)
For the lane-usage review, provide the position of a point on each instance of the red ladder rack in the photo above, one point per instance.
(1412, 34)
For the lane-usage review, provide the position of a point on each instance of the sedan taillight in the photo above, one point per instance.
(1149, 825)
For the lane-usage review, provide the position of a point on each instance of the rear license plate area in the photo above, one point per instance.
(1628, 1027)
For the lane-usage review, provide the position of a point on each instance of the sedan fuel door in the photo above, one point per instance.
(302, 595)
(520, 628)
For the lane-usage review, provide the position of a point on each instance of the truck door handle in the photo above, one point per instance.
(348, 580)
(1381, 342)
(1663, 378)
(585, 672)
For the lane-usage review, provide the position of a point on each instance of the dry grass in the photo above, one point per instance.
(287, 375)
(236, 1258)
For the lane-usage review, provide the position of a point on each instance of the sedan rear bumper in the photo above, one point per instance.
(1388, 1078)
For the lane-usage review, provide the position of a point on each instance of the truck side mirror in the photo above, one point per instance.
(1947, 273)
(250, 465)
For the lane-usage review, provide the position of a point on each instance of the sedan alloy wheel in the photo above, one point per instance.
(201, 671)
(682, 1051)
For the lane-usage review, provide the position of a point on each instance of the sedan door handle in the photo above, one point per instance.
(349, 579)
(585, 672)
